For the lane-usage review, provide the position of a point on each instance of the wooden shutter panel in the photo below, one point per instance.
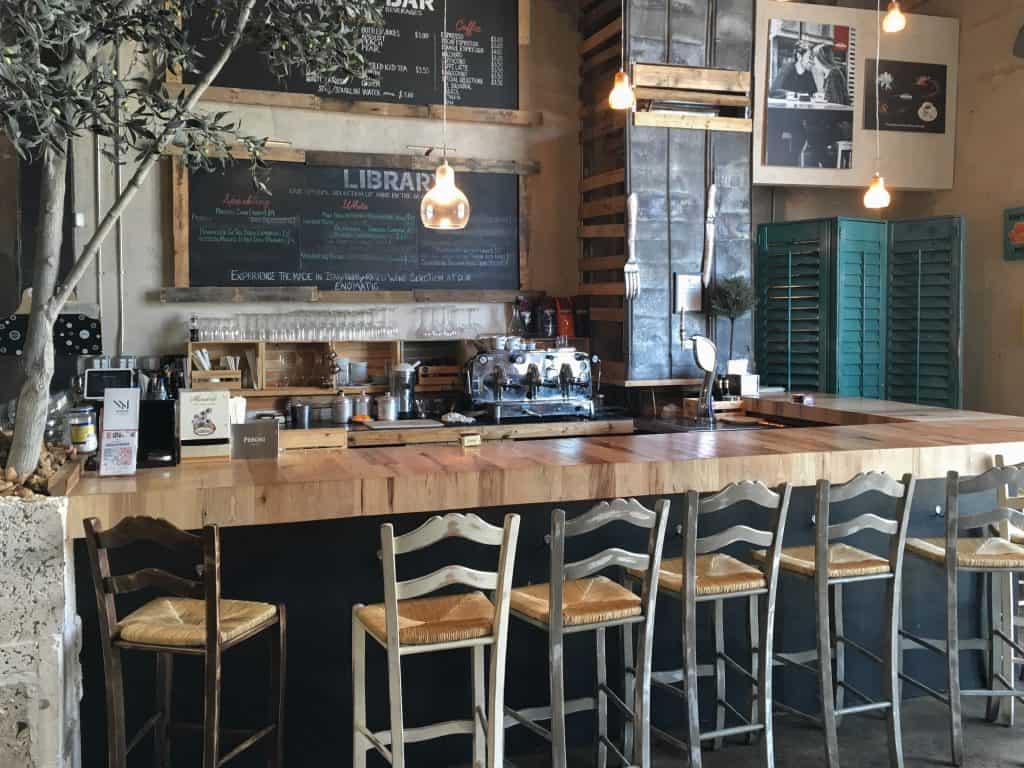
(925, 306)
(860, 309)
(793, 291)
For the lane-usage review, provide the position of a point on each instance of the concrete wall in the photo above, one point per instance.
(551, 67)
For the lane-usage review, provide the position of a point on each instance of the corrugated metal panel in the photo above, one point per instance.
(925, 311)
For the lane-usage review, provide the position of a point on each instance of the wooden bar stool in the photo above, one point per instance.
(831, 565)
(1004, 594)
(705, 574)
(595, 603)
(194, 622)
(987, 553)
(408, 623)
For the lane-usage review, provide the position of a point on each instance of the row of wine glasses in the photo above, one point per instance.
(370, 324)
(447, 322)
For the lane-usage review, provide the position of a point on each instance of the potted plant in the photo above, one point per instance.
(732, 298)
(60, 82)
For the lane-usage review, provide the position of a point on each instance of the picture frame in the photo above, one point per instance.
(1013, 234)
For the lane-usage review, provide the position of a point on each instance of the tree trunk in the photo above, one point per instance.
(732, 334)
(34, 399)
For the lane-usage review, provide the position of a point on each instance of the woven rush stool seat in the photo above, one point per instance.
(584, 601)
(427, 620)
(181, 621)
(717, 574)
(844, 561)
(972, 553)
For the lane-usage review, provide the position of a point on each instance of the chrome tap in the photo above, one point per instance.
(705, 354)
(565, 380)
(532, 380)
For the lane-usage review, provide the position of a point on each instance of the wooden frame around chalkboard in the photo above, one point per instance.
(382, 108)
(181, 291)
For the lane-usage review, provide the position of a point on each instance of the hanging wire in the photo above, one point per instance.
(622, 38)
(878, 88)
(444, 81)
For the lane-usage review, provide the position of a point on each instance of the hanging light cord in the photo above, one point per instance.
(444, 81)
(622, 38)
(878, 90)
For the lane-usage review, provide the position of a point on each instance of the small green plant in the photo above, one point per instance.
(732, 297)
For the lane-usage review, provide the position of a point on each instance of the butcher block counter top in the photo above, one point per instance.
(873, 435)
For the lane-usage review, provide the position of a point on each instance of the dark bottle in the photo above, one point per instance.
(193, 329)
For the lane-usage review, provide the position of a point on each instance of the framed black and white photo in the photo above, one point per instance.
(810, 95)
(913, 96)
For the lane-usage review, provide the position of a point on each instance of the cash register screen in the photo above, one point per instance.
(97, 380)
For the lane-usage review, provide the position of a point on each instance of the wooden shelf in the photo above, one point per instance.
(668, 119)
(516, 117)
(313, 295)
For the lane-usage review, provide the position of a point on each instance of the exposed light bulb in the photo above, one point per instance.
(444, 206)
(877, 196)
(622, 96)
(894, 20)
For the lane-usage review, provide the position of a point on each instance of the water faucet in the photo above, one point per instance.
(705, 354)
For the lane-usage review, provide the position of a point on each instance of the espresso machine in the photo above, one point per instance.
(533, 383)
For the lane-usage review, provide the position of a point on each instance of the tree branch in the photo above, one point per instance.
(60, 298)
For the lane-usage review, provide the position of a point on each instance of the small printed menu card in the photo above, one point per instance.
(205, 424)
(119, 437)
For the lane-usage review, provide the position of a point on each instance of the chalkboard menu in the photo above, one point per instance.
(404, 57)
(348, 229)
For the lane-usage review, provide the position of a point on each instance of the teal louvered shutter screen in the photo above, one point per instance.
(793, 300)
(925, 311)
(860, 309)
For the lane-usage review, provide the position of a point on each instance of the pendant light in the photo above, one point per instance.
(877, 196)
(894, 20)
(444, 206)
(622, 96)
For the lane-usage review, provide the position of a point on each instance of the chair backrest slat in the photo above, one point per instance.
(154, 578)
(991, 480)
(446, 577)
(867, 482)
(131, 530)
(736, 534)
(453, 525)
(607, 558)
(867, 521)
(748, 490)
(606, 512)
(991, 517)
(1009, 496)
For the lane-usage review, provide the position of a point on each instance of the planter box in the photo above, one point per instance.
(40, 637)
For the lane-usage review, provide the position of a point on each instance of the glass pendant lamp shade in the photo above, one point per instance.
(877, 196)
(622, 96)
(894, 20)
(444, 206)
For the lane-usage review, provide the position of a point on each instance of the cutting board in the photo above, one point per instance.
(409, 424)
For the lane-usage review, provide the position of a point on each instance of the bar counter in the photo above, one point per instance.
(325, 485)
(305, 531)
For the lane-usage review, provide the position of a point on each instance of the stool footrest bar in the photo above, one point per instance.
(858, 647)
(736, 730)
(797, 713)
(855, 691)
(615, 751)
(669, 739)
(141, 733)
(376, 743)
(927, 689)
(249, 742)
(863, 708)
(738, 667)
(1008, 640)
(786, 658)
(613, 697)
(927, 645)
(739, 715)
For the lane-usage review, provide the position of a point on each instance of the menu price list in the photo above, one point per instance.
(348, 228)
(404, 57)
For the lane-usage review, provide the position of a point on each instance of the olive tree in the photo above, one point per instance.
(59, 81)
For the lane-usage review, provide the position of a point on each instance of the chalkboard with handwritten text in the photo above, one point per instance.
(481, 47)
(348, 229)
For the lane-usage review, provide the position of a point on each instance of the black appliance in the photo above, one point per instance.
(158, 434)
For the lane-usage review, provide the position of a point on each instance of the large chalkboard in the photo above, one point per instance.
(348, 229)
(404, 57)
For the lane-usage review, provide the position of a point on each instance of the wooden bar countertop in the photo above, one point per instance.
(872, 435)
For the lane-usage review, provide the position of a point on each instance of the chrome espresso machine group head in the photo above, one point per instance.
(540, 383)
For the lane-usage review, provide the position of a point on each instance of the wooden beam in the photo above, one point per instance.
(690, 78)
(600, 11)
(603, 125)
(600, 59)
(604, 179)
(524, 22)
(608, 206)
(601, 289)
(213, 295)
(602, 263)
(608, 32)
(607, 314)
(692, 97)
(272, 153)
(524, 232)
(179, 223)
(420, 162)
(288, 100)
(602, 230)
(694, 122)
